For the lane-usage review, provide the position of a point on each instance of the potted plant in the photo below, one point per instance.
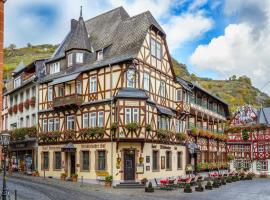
(180, 136)
(144, 181)
(74, 177)
(187, 188)
(15, 108)
(108, 181)
(63, 176)
(149, 188)
(32, 101)
(10, 110)
(21, 107)
(148, 128)
(208, 186)
(132, 127)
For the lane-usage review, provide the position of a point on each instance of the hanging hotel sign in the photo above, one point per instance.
(69, 148)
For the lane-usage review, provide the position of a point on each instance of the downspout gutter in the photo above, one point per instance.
(111, 96)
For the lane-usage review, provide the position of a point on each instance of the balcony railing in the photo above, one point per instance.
(72, 99)
(205, 105)
(199, 126)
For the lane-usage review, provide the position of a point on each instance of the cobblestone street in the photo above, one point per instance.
(30, 188)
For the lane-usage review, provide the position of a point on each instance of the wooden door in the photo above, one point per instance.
(129, 165)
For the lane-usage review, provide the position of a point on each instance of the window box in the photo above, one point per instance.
(91, 133)
(26, 103)
(32, 101)
(132, 127)
(69, 135)
(15, 109)
(21, 107)
(10, 110)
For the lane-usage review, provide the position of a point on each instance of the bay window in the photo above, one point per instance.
(131, 115)
(44, 125)
(50, 125)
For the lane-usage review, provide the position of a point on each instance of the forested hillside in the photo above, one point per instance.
(236, 91)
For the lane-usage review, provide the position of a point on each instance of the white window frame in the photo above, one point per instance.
(99, 55)
(260, 148)
(70, 122)
(17, 82)
(45, 125)
(131, 83)
(70, 59)
(79, 87)
(158, 50)
(50, 125)
(50, 93)
(86, 120)
(135, 115)
(56, 125)
(178, 95)
(162, 88)
(79, 58)
(92, 119)
(128, 115)
(153, 47)
(55, 68)
(146, 81)
(100, 118)
(93, 84)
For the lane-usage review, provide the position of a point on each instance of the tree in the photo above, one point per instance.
(29, 45)
(12, 46)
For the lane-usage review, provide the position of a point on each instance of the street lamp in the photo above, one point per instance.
(5, 138)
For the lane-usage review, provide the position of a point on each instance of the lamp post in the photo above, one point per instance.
(5, 138)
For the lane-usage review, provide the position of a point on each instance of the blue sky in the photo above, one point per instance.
(214, 38)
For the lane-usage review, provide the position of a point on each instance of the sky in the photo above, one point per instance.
(214, 38)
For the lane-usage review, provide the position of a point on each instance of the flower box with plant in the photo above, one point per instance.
(21, 107)
(32, 101)
(26, 103)
(245, 135)
(180, 137)
(162, 134)
(54, 136)
(15, 109)
(132, 127)
(148, 128)
(108, 181)
(194, 132)
(74, 177)
(91, 133)
(63, 176)
(69, 135)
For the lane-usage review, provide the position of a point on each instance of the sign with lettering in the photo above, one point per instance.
(164, 147)
(46, 148)
(102, 173)
(93, 146)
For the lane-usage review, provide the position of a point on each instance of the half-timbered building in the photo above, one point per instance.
(249, 140)
(110, 103)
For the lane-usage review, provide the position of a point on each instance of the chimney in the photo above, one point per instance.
(74, 23)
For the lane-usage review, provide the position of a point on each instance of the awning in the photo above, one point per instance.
(68, 148)
(165, 111)
(64, 79)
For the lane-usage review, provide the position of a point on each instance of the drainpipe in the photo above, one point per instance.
(111, 119)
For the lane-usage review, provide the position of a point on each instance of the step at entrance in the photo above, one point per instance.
(129, 184)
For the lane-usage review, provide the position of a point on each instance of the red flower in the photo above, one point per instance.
(26, 103)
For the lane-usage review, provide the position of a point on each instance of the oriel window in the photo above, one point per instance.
(131, 78)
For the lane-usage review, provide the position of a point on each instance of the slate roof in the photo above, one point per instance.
(115, 32)
(185, 84)
(19, 68)
(165, 111)
(264, 116)
(65, 79)
(131, 93)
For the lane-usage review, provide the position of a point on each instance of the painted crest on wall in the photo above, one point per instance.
(244, 115)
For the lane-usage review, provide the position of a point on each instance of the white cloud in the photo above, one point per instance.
(22, 27)
(242, 50)
(186, 27)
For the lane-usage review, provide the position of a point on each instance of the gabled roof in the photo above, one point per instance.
(264, 116)
(114, 31)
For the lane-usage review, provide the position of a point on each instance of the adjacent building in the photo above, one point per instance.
(20, 114)
(249, 140)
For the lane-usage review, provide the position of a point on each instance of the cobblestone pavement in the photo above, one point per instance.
(33, 188)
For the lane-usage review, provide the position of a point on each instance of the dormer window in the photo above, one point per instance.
(17, 82)
(55, 68)
(70, 60)
(99, 55)
(79, 58)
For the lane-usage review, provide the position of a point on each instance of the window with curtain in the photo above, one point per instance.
(101, 160)
(57, 161)
(70, 122)
(93, 119)
(85, 120)
(146, 81)
(44, 125)
(131, 78)
(162, 89)
(93, 84)
(100, 118)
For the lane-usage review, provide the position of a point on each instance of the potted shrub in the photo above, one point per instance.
(199, 187)
(149, 188)
(99, 132)
(74, 177)
(208, 186)
(63, 176)
(180, 136)
(108, 181)
(148, 128)
(144, 181)
(188, 188)
(161, 134)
